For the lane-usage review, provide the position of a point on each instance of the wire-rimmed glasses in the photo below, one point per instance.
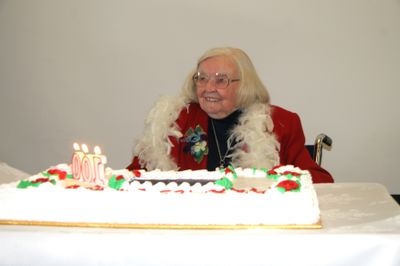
(221, 80)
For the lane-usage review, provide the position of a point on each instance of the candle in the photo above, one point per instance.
(98, 165)
(85, 148)
(77, 161)
(88, 167)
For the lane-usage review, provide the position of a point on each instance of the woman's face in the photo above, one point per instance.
(218, 102)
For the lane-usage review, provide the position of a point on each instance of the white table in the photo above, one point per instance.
(361, 226)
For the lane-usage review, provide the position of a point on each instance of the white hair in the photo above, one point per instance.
(251, 88)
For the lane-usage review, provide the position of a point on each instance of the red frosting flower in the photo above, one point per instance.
(53, 171)
(288, 185)
(228, 170)
(272, 170)
(291, 173)
(61, 174)
(40, 180)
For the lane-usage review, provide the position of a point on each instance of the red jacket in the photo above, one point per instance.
(287, 130)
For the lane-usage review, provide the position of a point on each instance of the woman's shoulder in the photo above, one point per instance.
(280, 113)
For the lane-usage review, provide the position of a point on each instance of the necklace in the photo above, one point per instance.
(221, 159)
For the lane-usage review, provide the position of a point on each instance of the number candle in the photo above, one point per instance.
(88, 168)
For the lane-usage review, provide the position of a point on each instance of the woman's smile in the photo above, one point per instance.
(217, 102)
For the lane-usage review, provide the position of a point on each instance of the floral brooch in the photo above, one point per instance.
(196, 143)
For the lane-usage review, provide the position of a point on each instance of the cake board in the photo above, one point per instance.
(160, 226)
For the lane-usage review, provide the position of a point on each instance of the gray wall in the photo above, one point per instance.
(89, 71)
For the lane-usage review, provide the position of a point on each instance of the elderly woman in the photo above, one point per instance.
(223, 116)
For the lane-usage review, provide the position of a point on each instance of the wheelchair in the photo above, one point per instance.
(322, 141)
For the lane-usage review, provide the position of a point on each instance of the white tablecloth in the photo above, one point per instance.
(361, 226)
(10, 174)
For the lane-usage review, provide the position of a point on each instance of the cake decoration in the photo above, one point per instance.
(288, 185)
(34, 183)
(286, 178)
(116, 182)
(87, 167)
(51, 175)
(177, 199)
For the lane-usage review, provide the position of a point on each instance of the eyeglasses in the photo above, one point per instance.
(221, 80)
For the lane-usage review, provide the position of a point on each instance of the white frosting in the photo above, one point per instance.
(163, 175)
(170, 203)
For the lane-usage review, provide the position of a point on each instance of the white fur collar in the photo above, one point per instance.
(256, 144)
(154, 147)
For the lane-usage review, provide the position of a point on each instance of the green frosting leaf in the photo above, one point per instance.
(281, 189)
(225, 182)
(274, 177)
(116, 184)
(234, 174)
(254, 170)
(265, 170)
(289, 176)
(27, 183)
(23, 184)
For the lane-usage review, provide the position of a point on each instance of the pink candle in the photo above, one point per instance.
(98, 166)
(89, 168)
(77, 158)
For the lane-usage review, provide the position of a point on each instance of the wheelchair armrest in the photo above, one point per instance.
(322, 141)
